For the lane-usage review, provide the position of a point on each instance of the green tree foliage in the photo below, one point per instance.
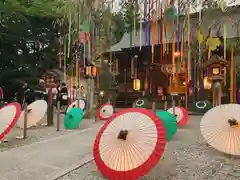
(131, 13)
(27, 41)
(118, 27)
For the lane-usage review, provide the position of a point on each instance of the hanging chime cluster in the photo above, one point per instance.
(158, 15)
(78, 42)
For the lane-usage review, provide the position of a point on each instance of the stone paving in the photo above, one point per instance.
(50, 158)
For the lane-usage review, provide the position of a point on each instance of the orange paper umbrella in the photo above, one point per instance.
(36, 112)
(220, 127)
(181, 114)
(105, 111)
(9, 115)
(129, 144)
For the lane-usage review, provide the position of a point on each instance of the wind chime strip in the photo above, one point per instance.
(225, 40)
(173, 58)
(161, 34)
(153, 35)
(141, 35)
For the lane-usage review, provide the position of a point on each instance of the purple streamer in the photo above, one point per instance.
(149, 34)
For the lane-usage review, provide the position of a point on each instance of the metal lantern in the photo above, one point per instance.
(136, 84)
(216, 70)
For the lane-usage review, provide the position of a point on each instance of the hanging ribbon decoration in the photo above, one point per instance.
(134, 25)
(156, 23)
(173, 58)
(131, 38)
(65, 59)
(60, 53)
(116, 66)
(231, 76)
(153, 33)
(189, 46)
(141, 36)
(186, 85)
(161, 34)
(132, 68)
(225, 51)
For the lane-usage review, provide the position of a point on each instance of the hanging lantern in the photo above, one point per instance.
(207, 83)
(136, 84)
(88, 70)
(94, 71)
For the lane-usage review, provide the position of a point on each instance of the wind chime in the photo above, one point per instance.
(133, 36)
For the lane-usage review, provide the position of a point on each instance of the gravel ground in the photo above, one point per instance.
(39, 133)
(187, 157)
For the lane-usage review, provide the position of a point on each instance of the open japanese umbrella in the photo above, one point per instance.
(220, 127)
(105, 111)
(129, 144)
(73, 118)
(35, 112)
(141, 103)
(80, 103)
(202, 106)
(169, 122)
(9, 115)
(181, 115)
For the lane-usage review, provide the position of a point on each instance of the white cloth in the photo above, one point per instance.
(54, 93)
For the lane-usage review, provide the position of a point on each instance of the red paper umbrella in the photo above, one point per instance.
(9, 115)
(181, 114)
(129, 144)
(105, 112)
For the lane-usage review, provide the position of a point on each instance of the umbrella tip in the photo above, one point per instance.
(232, 122)
(123, 135)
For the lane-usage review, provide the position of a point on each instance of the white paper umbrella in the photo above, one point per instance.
(181, 115)
(129, 144)
(9, 115)
(105, 111)
(36, 112)
(82, 103)
(220, 128)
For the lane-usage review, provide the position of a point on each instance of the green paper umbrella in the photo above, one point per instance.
(170, 13)
(169, 122)
(73, 118)
(209, 105)
(141, 103)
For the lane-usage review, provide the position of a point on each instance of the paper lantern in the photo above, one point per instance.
(94, 71)
(88, 70)
(207, 83)
(136, 84)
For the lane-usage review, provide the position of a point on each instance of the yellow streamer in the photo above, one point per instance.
(225, 40)
(76, 80)
(189, 47)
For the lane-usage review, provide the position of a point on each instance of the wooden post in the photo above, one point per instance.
(165, 105)
(25, 121)
(50, 109)
(58, 115)
(173, 105)
(153, 106)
